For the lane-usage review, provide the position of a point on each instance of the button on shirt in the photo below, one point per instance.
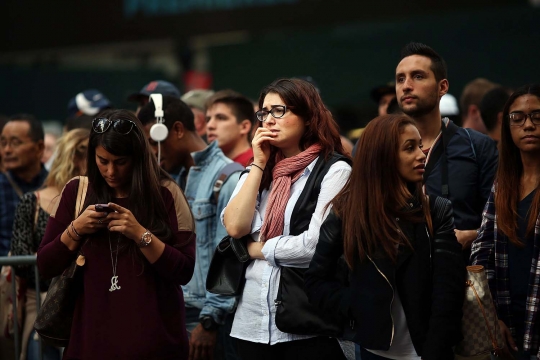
(255, 316)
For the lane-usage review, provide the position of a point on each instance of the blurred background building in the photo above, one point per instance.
(52, 50)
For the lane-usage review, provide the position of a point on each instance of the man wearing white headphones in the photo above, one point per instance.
(169, 125)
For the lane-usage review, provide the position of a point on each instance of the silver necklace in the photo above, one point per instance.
(114, 279)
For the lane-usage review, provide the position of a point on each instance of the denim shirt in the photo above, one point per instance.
(199, 192)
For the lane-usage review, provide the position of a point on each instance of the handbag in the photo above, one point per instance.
(296, 315)
(226, 274)
(55, 317)
(480, 324)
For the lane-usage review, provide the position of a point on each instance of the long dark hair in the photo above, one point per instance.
(305, 102)
(144, 188)
(509, 175)
(376, 194)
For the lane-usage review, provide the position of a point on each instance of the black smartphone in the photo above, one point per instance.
(103, 208)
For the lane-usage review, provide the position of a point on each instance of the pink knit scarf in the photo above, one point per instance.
(285, 173)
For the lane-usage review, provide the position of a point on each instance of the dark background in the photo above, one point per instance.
(347, 46)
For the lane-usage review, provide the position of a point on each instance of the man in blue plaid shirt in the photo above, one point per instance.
(21, 147)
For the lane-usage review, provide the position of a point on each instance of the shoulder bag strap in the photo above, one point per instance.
(36, 211)
(13, 184)
(81, 195)
(440, 152)
(223, 176)
(447, 134)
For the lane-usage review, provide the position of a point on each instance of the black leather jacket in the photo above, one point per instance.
(430, 280)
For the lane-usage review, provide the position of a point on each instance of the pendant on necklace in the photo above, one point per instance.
(114, 284)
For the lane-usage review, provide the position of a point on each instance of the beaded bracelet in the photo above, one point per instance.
(253, 164)
(75, 230)
(71, 236)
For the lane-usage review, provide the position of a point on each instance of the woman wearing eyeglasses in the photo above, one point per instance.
(509, 239)
(278, 205)
(137, 250)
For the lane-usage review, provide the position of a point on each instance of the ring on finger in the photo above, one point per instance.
(99, 221)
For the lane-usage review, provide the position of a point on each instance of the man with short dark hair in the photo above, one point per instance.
(460, 163)
(21, 147)
(491, 108)
(230, 117)
(199, 167)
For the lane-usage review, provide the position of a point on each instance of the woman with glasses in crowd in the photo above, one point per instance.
(138, 249)
(297, 131)
(29, 227)
(509, 239)
(404, 294)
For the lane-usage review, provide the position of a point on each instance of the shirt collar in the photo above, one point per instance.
(200, 157)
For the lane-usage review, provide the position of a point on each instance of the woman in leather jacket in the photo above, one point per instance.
(406, 278)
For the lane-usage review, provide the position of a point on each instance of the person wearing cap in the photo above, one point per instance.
(230, 118)
(162, 87)
(461, 163)
(383, 95)
(82, 108)
(196, 100)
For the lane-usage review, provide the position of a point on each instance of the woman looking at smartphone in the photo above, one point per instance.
(407, 275)
(131, 304)
(297, 131)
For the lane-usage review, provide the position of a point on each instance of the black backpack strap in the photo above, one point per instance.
(227, 171)
(440, 152)
(472, 145)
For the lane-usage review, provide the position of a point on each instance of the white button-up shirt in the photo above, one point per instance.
(255, 316)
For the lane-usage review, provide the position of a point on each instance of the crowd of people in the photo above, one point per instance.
(377, 237)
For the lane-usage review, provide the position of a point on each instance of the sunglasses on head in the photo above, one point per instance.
(121, 126)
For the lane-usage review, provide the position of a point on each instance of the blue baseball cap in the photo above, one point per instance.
(162, 87)
(88, 102)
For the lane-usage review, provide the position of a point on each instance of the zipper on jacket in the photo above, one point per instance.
(430, 249)
(391, 302)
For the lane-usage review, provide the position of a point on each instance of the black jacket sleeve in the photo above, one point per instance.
(323, 288)
(448, 285)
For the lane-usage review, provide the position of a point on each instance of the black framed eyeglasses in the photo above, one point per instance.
(121, 126)
(519, 118)
(277, 111)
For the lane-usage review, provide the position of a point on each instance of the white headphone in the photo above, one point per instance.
(158, 131)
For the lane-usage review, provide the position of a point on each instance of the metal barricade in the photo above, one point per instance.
(14, 261)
